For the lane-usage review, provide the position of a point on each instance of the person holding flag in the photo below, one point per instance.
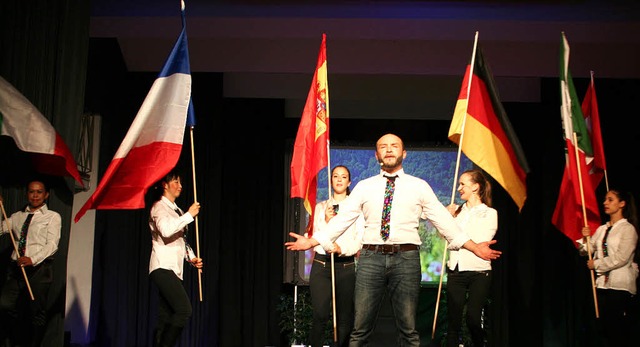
(346, 249)
(468, 276)
(170, 249)
(392, 203)
(37, 233)
(613, 246)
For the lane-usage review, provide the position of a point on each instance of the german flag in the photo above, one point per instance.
(488, 139)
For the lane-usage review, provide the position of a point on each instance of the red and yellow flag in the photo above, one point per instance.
(489, 140)
(310, 151)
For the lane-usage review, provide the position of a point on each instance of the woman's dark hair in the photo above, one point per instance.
(158, 188)
(172, 175)
(629, 210)
(349, 172)
(477, 176)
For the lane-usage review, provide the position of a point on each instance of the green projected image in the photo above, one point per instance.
(435, 165)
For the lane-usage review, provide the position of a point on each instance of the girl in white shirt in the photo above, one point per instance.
(169, 251)
(614, 246)
(345, 251)
(469, 276)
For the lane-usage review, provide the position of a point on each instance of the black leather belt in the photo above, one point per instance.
(336, 259)
(391, 249)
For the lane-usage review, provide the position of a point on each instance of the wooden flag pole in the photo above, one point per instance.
(195, 198)
(333, 267)
(453, 190)
(15, 248)
(584, 217)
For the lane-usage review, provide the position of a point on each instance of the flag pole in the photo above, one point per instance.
(15, 248)
(584, 217)
(195, 198)
(333, 267)
(455, 179)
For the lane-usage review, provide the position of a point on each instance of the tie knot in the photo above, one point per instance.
(391, 178)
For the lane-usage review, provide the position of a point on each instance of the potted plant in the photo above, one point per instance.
(296, 318)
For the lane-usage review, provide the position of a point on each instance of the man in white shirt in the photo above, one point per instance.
(36, 231)
(390, 256)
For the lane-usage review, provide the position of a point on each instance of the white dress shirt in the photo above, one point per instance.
(167, 229)
(621, 247)
(412, 197)
(480, 223)
(43, 235)
(351, 241)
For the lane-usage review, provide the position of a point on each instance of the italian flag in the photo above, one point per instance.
(577, 205)
(33, 133)
(310, 150)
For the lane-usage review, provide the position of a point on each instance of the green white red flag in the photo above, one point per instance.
(32, 132)
(310, 150)
(577, 205)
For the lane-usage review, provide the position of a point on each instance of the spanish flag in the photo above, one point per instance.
(488, 139)
(310, 150)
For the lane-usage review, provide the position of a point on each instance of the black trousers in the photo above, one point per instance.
(26, 318)
(321, 297)
(615, 315)
(470, 288)
(174, 307)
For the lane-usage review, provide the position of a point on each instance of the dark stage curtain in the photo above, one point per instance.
(44, 47)
(541, 293)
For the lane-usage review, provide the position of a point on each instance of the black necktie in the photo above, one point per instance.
(184, 236)
(180, 214)
(605, 250)
(22, 243)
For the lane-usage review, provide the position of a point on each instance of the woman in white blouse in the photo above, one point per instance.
(469, 276)
(614, 246)
(346, 248)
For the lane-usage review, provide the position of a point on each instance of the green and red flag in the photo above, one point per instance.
(577, 205)
(310, 150)
(489, 140)
(597, 166)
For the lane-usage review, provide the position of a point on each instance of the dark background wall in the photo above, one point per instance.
(247, 90)
(541, 293)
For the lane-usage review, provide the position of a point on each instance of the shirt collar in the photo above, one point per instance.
(168, 202)
(398, 173)
(42, 208)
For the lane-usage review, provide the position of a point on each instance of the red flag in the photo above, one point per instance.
(598, 165)
(310, 151)
(153, 143)
(489, 140)
(577, 194)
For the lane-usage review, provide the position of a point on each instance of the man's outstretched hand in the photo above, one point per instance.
(485, 252)
(300, 244)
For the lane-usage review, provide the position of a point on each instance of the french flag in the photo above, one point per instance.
(153, 143)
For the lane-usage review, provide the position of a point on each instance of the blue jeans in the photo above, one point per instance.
(399, 275)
